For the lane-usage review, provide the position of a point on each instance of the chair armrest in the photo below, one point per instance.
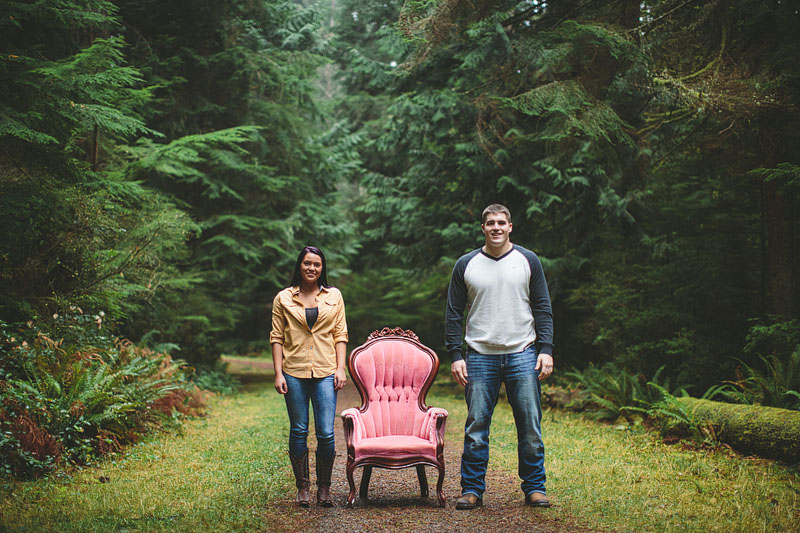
(353, 424)
(434, 425)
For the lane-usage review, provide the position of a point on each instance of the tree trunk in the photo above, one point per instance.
(765, 431)
(779, 249)
(94, 155)
(630, 13)
(563, 9)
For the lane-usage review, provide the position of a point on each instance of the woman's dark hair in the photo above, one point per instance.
(323, 277)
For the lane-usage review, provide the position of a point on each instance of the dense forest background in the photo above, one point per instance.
(161, 166)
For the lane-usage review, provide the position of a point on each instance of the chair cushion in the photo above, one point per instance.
(396, 447)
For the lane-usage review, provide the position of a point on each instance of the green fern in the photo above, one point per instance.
(609, 390)
(776, 383)
(673, 418)
(75, 396)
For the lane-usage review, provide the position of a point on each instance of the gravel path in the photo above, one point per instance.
(394, 502)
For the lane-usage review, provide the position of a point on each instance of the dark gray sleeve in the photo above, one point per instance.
(540, 304)
(454, 315)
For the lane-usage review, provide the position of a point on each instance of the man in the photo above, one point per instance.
(503, 288)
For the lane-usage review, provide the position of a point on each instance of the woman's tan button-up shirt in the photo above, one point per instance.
(308, 352)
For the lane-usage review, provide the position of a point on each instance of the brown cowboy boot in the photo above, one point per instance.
(300, 467)
(324, 470)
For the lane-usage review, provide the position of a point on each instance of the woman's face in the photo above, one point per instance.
(311, 268)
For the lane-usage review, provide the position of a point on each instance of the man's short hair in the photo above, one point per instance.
(494, 209)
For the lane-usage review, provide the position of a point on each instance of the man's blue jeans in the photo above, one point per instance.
(485, 373)
(323, 399)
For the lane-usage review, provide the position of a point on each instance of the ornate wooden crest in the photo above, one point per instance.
(393, 332)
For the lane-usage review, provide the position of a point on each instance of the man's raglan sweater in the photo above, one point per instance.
(507, 302)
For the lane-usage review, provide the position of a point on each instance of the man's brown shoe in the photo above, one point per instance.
(537, 499)
(468, 501)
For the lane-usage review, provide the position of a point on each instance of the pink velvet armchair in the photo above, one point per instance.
(393, 428)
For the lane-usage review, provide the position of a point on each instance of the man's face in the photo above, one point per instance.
(496, 229)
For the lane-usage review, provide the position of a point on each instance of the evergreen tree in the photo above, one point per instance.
(169, 182)
(498, 104)
(69, 105)
(237, 93)
(643, 149)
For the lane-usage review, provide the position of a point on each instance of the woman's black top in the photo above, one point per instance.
(311, 316)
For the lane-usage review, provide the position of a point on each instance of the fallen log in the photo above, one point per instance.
(751, 429)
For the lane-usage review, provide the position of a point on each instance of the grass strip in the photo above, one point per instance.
(626, 479)
(220, 474)
(225, 471)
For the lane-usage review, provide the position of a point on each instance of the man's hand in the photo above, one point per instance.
(544, 365)
(459, 371)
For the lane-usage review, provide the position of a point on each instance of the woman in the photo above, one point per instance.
(309, 342)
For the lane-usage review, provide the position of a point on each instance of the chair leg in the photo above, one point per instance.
(366, 473)
(423, 481)
(351, 497)
(439, 492)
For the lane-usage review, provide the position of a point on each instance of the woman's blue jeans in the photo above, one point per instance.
(485, 373)
(323, 399)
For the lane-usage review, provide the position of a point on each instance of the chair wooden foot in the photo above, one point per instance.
(352, 496)
(440, 482)
(366, 474)
(423, 481)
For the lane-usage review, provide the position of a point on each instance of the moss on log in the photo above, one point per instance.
(753, 429)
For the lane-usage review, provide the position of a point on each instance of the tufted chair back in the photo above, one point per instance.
(393, 377)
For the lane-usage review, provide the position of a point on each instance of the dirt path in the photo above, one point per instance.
(394, 502)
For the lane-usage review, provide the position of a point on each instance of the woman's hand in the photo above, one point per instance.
(339, 379)
(280, 384)
(340, 376)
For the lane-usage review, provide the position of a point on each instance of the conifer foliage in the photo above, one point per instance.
(162, 164)
(643, 148)
(159, 169)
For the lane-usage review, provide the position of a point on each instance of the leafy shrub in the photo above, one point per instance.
(610, 392)
(216, 379)
(606, 390)
(775, 382)
(778, 338)
(26, 448)
(567, 396)
(60, 401)
(672, 418)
